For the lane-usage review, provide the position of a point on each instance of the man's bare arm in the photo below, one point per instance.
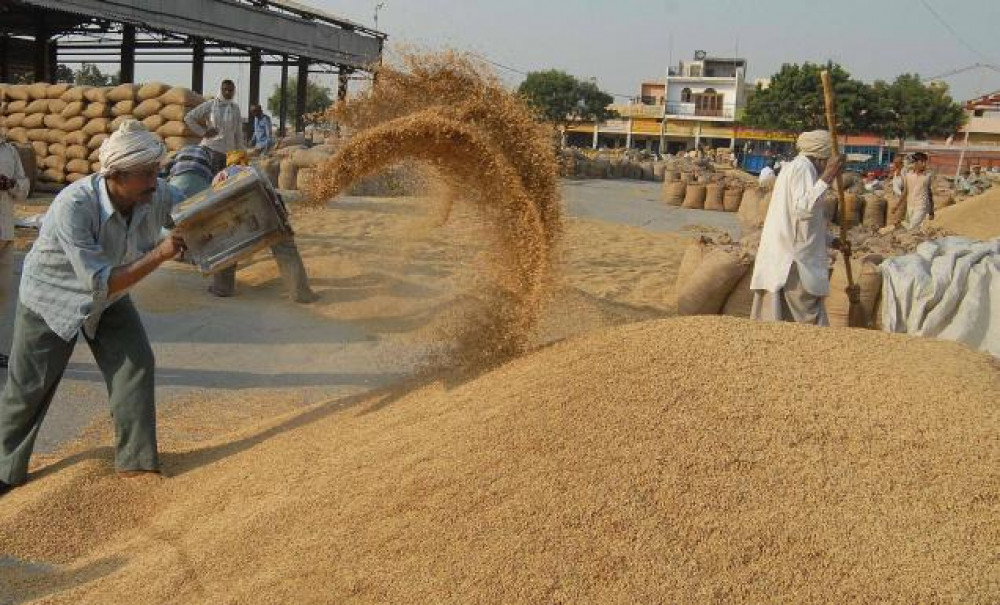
(126, 276)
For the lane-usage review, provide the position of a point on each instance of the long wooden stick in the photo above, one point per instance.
(831, 123)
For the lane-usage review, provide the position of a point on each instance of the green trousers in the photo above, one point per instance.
(38, 359)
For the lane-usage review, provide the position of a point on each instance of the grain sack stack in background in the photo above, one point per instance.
(64, 125)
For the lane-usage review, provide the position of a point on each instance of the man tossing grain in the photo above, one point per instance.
(791, 276)
(99, 238)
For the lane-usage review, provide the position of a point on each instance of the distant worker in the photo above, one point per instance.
(101, 236)
(791, 276)
(286, 253)
(262, 140)
(14, 186)
(917, 197)
(767, 176)
(190, 170)
(896, 211)
(219, 123)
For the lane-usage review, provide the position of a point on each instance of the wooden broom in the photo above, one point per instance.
(855, 312)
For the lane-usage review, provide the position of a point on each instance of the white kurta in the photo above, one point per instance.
(795, 231)
(10, 166)
(222, 115)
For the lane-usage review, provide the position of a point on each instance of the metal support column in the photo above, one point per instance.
(283, 105)
(5, 58)
(42, 62)
(343, 77)
(127, 67)
(300, 94)
(198, 65)
(255, 77)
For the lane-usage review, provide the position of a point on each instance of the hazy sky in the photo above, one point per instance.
(622, 42)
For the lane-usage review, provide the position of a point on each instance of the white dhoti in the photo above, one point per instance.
(791, 303)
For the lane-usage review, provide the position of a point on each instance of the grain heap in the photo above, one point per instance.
(977, 217)
(65, 125)
(617, 467)
(487, 149)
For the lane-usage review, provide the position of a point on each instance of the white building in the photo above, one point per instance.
(706, 89)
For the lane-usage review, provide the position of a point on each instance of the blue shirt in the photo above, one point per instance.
(261, 132)
(193, 158)
(83, 237)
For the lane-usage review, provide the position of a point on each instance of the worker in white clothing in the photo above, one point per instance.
(917, 197)
(791, 276)
(767, 175)
(14, 187)
(219, 123)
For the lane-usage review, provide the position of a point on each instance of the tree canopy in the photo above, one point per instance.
(91, 75)
(559, 97)
(905, 108)
(318, 99)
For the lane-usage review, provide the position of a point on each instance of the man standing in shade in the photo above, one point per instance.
(219, 123)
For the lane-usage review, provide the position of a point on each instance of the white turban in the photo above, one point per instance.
(815, 143)
(129, 147)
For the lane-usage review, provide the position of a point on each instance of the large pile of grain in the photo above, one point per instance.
(487, 149)
(688, 460)
(65, 125)
(977, 217)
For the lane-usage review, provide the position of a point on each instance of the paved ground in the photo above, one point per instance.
(201, 348)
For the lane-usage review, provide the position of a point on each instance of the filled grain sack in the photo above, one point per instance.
(303, 178)
(269, 167)
(123, 108)
(115, 123)
(18, 134)
(95, 154)
(749, 213)
(284, 152)
(73, 109)
(713, 197)
(40, 148)
(287, 174)
(55, 91)
(97, 126)
(54, 136)
(17, 92)
(75, 123)
(869, 280)
(80, 166)
(77, 137)
(15, 120)
(52, 175)
(174, 129)
(173, 112)
(57, 149)
(75, 94)
(95, 167)
(740, 300)
(38, 90)
(33, 120)
(875, 212)
(175, 143)
(56, 162)
(97, 94)
(147, 108)
(185, 97)
(38, 106)
(55, 121)
(57, 106)
(153, 122)
(38, 134)
(732, 198)
(122, 92)
(151, 90)
(77, 152)
(672, 192)
(292, 140)
(705, 291)
(307, 158)
(97, 110)
(16, 107)
(694, 196)
(72, 177)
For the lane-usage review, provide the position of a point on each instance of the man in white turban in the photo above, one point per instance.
(791, 275)
(14, 186)
(101, 235)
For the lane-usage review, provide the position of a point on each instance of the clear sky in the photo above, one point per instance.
(622, 42)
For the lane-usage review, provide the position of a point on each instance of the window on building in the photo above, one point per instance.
(686, 95)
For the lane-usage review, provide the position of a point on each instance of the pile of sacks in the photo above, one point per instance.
(639, 166)
(64, 125)
(703, 189)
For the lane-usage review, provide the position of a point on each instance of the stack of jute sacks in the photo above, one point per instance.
(703, 189)
(635, 165)
(65, 125)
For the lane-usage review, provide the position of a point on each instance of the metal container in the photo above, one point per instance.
(231, 221)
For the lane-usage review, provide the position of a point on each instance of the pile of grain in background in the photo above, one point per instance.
(487, 149)
(694, 459)
(977, 217)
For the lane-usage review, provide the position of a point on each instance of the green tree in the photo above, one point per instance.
(91, 75)
(318, 99)
(794, 100)
(560, 98)
(909, 108)
(64, 74)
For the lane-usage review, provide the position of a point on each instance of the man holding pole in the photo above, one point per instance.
(791, 276)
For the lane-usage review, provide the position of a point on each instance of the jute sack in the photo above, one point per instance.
(269, 167)
(748, 214)
(867, 277)
(295, 139)
(56, 149)
(33, 120)
(95, 154)
(75, 123)
(694, 196)
(693, 256)
(16, 107)
(57, 106)
(55, 91)
(175, 143)
(97, 94)
(54, 121)
(287, 174)
(740, 300)
(57, 162)
(184, 97)
(173, 112)
(95, 167)
(72, 177)
(303, 179)
(52, 175)
(18, 135)
(17, 92)
(147, 108)
(38, 106)
(307, 158)
(15, 120)
(79, 166)
(77, 137)
(713, 197)
(97, 126)
(38, 134)
(73, 109)
(672, 192)
(77, 152)
(123, 108)
(705, 291)
(38, 90)
(97, 110)
(122, 92)
(74, 94)
(115, 123)
(41, 148)
(153, 122)
(284, 152)
(174, 129)
(151, 90)
(874, 217)
(731, 199)
(55, 136)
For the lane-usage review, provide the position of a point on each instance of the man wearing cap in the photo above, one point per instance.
(100, 236)
(791, 275)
